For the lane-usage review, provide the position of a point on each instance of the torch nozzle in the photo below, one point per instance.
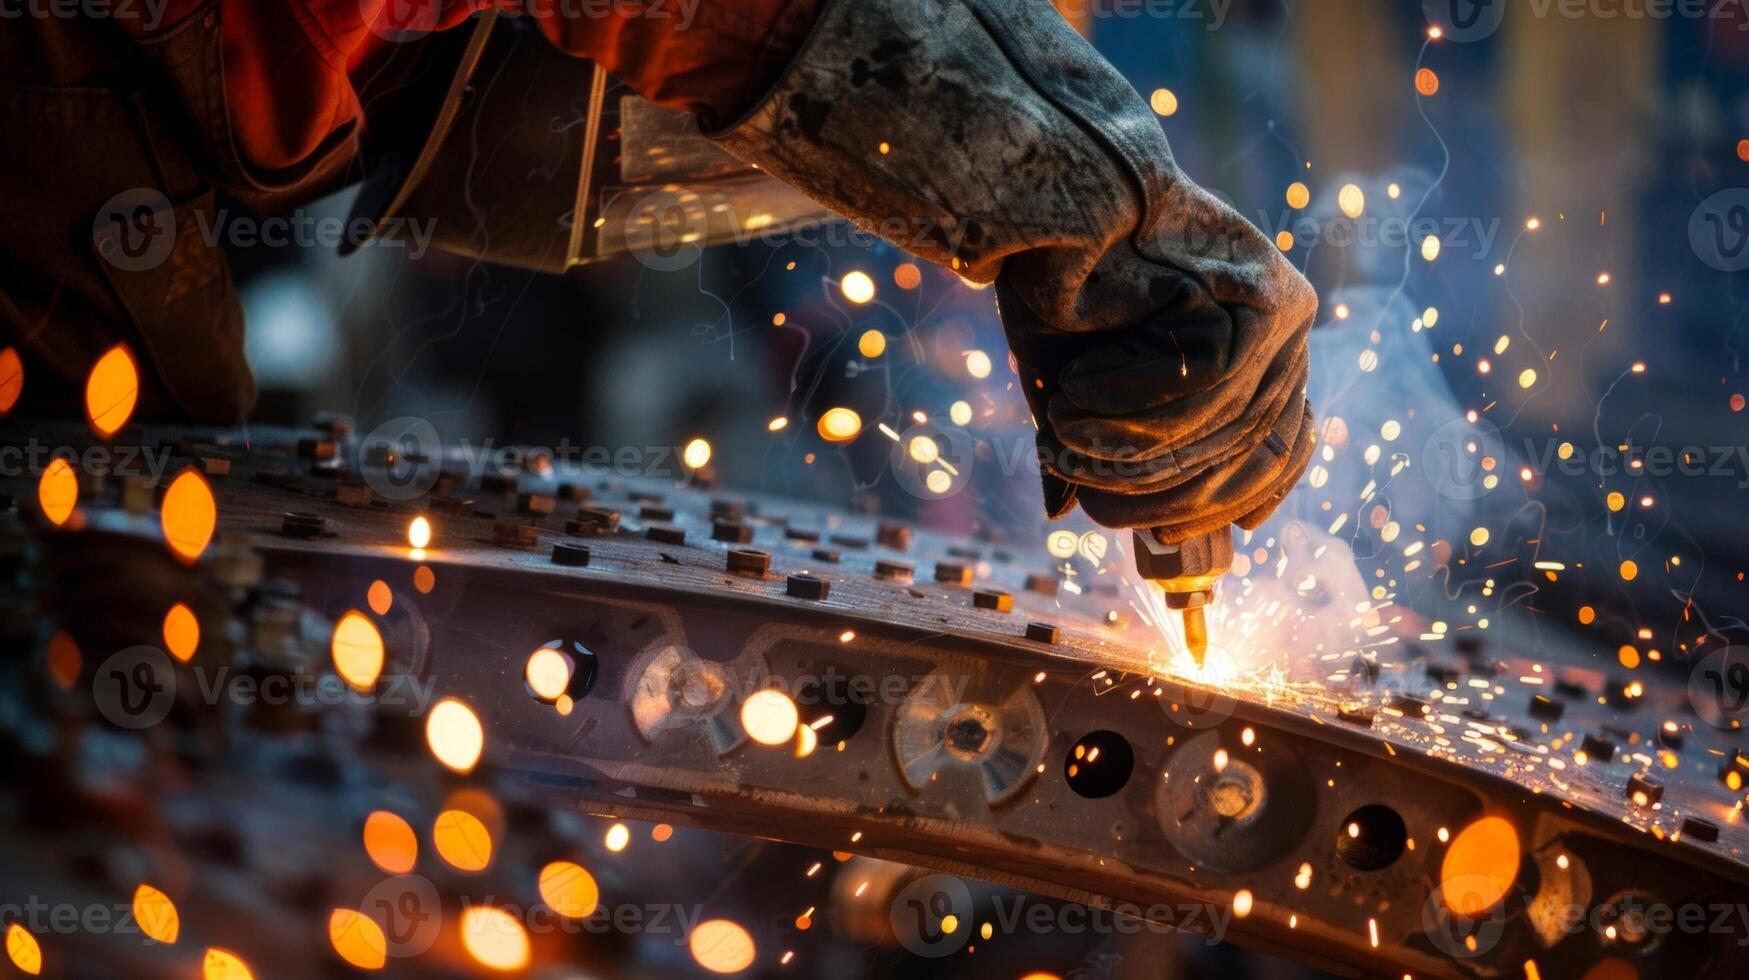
(1187, 571)
(1196, 633)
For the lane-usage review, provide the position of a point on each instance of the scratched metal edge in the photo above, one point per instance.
(1368, 741)
(692, 576)
(1258, 931)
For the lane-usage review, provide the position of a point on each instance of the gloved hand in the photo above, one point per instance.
(1161, 338)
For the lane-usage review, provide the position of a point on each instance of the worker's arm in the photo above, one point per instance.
(1161, 338)
(293, 69)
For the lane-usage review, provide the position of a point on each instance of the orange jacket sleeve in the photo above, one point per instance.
(292, 68)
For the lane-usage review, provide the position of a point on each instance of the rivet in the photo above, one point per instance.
(992, 599)
(353, 494)
(1735, 769)
(451, 505)
(807, 587)
(593, 522)
(1598, 747)
(665, 533)
(746, 561)
(894, 570)
(1042, 584)
(953, 573)
(1440, 672)
(1701, 830)
(514, 534)
(1644, 790)
(136, 495)
(302, 525)
(1568, 688)
(538, 462)
(1041, 632)
(1356, 716)
(1545, 708)
(731, 531)
(1411, 707)
(570, 555)
(318, 449)
(894, 536)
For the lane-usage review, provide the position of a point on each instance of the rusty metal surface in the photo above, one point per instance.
(988, 669)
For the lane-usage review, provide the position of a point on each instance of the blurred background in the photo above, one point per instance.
(1528, 234)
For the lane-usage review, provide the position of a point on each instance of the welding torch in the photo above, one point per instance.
(1187, 571)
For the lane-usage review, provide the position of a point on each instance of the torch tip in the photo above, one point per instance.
(1196, 633)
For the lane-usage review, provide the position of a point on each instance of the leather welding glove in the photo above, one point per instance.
(1160, 337)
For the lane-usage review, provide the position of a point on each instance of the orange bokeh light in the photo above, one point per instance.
(189, 515)
(11, 379)
(57, 492)
(112, 390)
